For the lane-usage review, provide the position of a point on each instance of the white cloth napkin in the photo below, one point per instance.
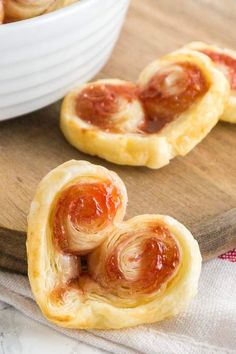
(207, 326)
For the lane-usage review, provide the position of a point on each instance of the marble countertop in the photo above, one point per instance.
(21, 335)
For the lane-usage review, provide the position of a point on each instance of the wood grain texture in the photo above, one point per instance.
(201, 185)
(13, 251)
(214, 236)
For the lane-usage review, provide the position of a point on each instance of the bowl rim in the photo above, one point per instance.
(44, 18)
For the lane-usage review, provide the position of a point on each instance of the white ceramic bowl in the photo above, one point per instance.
(42, 58)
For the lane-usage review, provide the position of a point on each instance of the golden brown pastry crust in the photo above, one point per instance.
(59, 4)
(229, 113)
(22, 9)
(151, 150)
(49, 271)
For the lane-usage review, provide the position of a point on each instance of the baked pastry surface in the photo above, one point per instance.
(16, 10)
(140, 271)
(225, 61)
(176, 102)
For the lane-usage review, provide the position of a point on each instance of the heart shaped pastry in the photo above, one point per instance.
(225, 61)
(176, 102)
(90, 269)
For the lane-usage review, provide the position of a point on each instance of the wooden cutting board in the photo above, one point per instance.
(194, 188)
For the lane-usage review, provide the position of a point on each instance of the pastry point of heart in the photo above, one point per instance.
(88, 268)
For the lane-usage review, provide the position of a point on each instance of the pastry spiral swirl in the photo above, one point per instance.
(225, 61)
(85, 211)
(90, 269)
(137, 260)
(176, 102)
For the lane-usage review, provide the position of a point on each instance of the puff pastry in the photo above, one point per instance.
(176, 102)
(22, 9)
(225, 61)
(93, 270)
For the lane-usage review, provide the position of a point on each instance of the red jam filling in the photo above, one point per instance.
(158, 259)
(169, 93)
(97, 103)
(83, 207)
(224, 60)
